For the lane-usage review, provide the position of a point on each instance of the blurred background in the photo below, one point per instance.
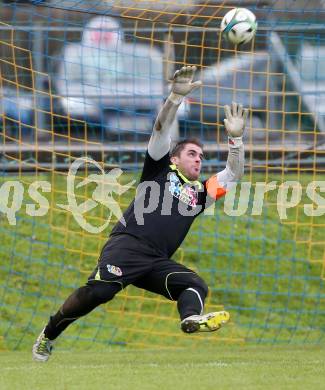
(69, 69)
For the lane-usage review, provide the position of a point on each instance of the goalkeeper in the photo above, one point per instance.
(142, 243)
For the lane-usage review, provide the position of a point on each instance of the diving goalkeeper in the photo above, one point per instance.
(168, 199)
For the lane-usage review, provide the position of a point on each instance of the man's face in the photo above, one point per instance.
(189, 161)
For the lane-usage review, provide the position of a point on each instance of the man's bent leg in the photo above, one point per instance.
(190, 305)
(122, 260)
(189, 290)
(178, 283)
(79, 303)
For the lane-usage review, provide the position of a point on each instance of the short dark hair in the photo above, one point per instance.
(180, 145)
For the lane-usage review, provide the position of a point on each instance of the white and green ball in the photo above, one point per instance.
(239, 26)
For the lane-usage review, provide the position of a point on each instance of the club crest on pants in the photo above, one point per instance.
(113, 269)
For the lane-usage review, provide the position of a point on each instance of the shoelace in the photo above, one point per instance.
(44, 347)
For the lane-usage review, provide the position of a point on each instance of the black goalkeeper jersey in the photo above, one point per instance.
(164, 208)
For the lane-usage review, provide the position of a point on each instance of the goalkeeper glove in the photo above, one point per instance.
(182, 83)
(235, 123)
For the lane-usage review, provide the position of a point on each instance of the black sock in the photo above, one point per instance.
(189, 303)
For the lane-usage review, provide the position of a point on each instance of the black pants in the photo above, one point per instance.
(127, 260)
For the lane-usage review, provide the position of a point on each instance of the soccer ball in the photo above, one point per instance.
(239, 25)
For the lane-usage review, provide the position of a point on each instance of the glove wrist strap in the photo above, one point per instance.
(235, 142)
(175, 98)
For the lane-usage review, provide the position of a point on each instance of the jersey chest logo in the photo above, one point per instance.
(184, 192)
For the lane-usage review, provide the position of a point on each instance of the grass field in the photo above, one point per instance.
(246, 367)
(258, 267)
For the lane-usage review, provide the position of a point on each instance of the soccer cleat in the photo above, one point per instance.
(42, 348)
(205, 323)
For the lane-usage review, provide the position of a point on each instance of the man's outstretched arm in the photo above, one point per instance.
(235, 123)
(159, 143)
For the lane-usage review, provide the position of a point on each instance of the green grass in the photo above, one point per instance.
(247, 367)
(254, 266)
